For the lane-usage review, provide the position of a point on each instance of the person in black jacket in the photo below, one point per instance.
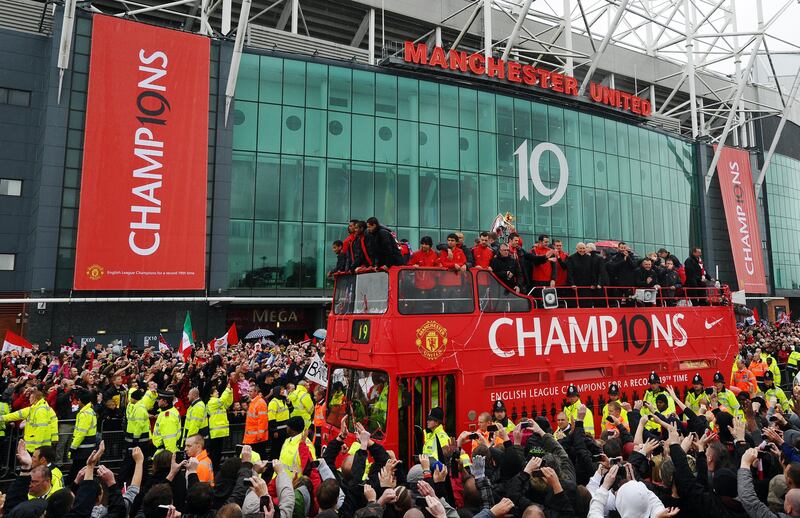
(669, 280)
(380, 240)
(584, 276)
(362, 255)
(622, 270)
(341, 258)
(696, 276)
(506, 268)
(646, 276)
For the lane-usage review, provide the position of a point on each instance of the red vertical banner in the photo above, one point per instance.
(142, 217)
(738, 198)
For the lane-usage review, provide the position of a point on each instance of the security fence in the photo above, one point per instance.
(115, 444)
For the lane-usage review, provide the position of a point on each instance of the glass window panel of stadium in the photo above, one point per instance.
(783, 201)
(316, 145)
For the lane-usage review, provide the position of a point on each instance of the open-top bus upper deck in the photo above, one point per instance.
(425, 337)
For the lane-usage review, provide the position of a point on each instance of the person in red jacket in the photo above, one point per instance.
(454, 260)
(482, 252)
(559, 261)
(542, 260)
(425, 257)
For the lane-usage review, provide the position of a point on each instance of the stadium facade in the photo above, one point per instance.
(334, 116)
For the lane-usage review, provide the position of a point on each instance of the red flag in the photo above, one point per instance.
(305, 337)
(14, 342)
(229, 338)
(163, 346)
(755, 315)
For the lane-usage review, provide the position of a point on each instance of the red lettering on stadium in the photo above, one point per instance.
(516, 72)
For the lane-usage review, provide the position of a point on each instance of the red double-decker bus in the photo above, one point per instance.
(403, 341)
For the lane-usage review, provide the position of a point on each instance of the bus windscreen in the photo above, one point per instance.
(366, 293)
(362, 395)
(434, 291)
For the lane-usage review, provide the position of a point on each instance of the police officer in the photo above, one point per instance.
(697, 394)
(501, 416)
(290, 451)
(613, 395)
(278, 412)
(302, 404)
(571, 410)
(41, 428)
(651, 397)
(436, 439)
(46, 456)
(167, 430)
(196, 422)
(724, 396)
(774, 394)
(772, 367)
(84, 436)
(137, 429)
(793, 361)
(218, 426)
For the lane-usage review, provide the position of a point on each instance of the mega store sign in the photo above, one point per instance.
(142, 218)
(522, 74)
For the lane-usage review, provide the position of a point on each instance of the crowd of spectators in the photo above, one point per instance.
(706, 453)
(585, 274)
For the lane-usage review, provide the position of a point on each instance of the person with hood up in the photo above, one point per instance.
(632, 499)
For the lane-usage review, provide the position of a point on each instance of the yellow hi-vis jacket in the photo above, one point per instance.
(571, 411)
(167, 429)
(41, 428)
(84, 435)
(196, 420)
(302, 404)
(217, 409)
(290, 454)
(278, 412)
(4, 409)
(137, 428)
(431, 437)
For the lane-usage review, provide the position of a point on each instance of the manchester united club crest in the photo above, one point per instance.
(94, 272)
(431, 340)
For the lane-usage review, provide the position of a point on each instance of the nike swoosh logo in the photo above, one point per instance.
(712, 324)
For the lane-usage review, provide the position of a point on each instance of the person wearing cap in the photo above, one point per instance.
(697, 394)
(196, 422)
(290, 451)
(436, 439)
(218, 425)
(774, 394)
(613, 395)
(651, 396)
(743, 378)
(84, 436)
(724, 396)
(278, 413)
(256, 425)
(571, 410)
(501, 417)
(167, 429)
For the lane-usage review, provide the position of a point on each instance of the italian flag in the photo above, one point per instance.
(14, 342)
(187, 340)
(229, 338)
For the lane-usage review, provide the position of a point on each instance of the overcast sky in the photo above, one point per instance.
(784, 27)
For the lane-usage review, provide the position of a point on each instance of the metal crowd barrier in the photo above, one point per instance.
(115, 444)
